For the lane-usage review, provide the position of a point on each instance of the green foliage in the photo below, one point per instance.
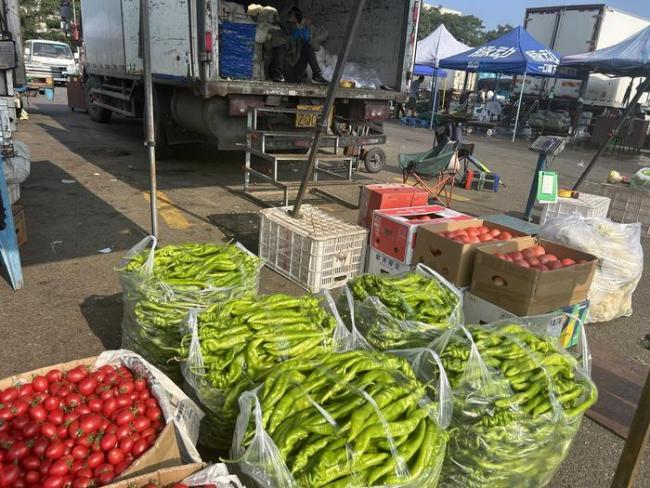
(40, 19)
(466, 28)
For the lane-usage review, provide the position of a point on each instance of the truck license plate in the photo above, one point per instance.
(308, 118)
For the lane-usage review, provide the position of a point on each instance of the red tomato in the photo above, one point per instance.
(74, 430)
(19, 450)
(52, 403)
(123, 400)
(83, 482)
(473, 231)
(70, 417)
(486, 238)
(126, 387)
(145, 395)
(56, 417)
(39, 447)
(25, 390)
(539, 251)
(180, 485)
(108, 442)
(59, 468)
(18, 407)
(31, 430)
(5, 414)
(38, 413)
(567, 262)
(95, 405)
(139, 447)
(141, 424)
(62, 432)
(522, 263)
(20, 421)
(109, 407)
(95, 459)
(547, 258)
(90, 422)
(151, 402)
(32, 477)
(30, 462)
(80, 452)
(73, 400)
(483, 229)
(40, 383)
(45, 467)
(53, 482)
(543, 267)
(85, 473)
(126, 444)
(77, 374)
(9, 394)
(495, 232)
(105, 473)
(527, 253)
(55, 450)
(516, 255)
(54, 375)
(120, 468)
(87, 386)
(533, 261)
(505, 236)
(554, 265)
(49, 430)
(124, 416)
(115, 456)
(9, 475)
(140, 384)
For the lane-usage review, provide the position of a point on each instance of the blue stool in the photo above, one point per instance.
(8, 241)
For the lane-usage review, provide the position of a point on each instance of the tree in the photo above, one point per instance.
(41, 19)
(466, 28)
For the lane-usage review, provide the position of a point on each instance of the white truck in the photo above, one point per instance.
(574, 29)
(194, 102)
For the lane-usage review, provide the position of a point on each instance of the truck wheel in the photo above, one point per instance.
(97, 114)
(374, 160)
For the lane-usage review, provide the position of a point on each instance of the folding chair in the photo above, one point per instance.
(432, 171)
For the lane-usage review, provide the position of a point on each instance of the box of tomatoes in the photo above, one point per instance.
(195, 475)
(530, 276)
(450, 247)
(93, 421)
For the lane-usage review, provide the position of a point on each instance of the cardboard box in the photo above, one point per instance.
(525, 291)
(20, 223)
(379, 263)
(390, 195)
(451, 259)
(162, 477)
(164, 453)
(564, 323)
(393, 230)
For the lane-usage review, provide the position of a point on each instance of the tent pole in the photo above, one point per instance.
(322, 124)
(521, 96)
(434, 97)
(643, 87)
(444, 95)
(150, 141)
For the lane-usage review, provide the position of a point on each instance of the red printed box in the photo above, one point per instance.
(393, 230)
(390, 195)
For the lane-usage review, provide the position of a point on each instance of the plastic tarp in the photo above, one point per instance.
(516, 52)
(438, 45)
(630, 57)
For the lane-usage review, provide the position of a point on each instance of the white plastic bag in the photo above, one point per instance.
(215, 474)
(17, 167)
(641, 179)
(620, 264)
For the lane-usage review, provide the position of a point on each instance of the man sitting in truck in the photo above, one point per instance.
(293, 52)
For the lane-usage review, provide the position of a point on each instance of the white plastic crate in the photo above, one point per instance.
(586, 204)
(317, 251)
(629, 205)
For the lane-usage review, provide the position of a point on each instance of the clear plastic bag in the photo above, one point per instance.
(231, 350)
(400, 312)
(519, 399)
(620, 264)
(641, 179)
(353, 419)
(155, 305)
(215, 474)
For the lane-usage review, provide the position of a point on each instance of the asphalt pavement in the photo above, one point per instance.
(86, 203)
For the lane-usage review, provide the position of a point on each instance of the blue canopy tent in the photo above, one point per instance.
(423, 70)
(514, 53)
(630, 57)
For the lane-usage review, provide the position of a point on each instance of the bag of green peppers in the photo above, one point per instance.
(351, 419)
(518, 402)
(160, 286)
(400, 312)
(231, 348)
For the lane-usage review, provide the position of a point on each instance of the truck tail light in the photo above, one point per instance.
(208, 42)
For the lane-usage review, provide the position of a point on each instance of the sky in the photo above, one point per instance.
(511, 12)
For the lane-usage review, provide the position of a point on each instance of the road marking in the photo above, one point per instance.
(458, 198)
(173, 217)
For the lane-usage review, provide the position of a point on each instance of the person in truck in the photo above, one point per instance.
(293, 51)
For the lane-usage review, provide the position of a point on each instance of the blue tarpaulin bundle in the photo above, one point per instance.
(236, 50)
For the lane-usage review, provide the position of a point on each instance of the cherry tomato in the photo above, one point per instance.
(39, 447)
(83, 482)
(139, 447)
(126, 444)
(56, 417)
(95, 459)
(70, 417)
(95, 405)
(9, 475)
(53, 482)
(18, 407)
(125, 387)
(20, 421)
(149, 434)
(18, 451)
(48, 429)
(32, 477)
(59, 468)
(62, 432)
(151, 402)
(83, 409)
(72, 400)
(74, 431)
(85, 472)
(124, 416)
(55, 450)
(77, 374)
(145, 395)
(54, 375)
(123, 401)
(120, 468)
(5, 414)
(105, 473)
(108, 442)
(45, 467)
(9, 394)
(38, 413)
(87, 386)
(109, 407)
(140, 384)
(123, 431)
(52, 403)
(80, 452)
(40, 383)
(31, 430)
(30, 462)
(90, 422)
(115, 456)
(70, 443)
(25, 390)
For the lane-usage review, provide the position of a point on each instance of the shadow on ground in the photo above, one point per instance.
(104, 317)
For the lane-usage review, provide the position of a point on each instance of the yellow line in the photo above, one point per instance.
(173, 217)
(458, 198)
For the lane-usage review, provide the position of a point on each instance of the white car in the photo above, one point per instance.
(49, 59)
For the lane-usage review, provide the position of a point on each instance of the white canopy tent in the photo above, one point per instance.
(438, 45)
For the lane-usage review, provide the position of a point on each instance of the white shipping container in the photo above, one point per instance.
(577, 29)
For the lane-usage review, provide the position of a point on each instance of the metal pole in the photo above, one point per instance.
(521, 96)
(74, 12)
(639, 91)
(150, 139)
(434, 96)
(329, 102)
